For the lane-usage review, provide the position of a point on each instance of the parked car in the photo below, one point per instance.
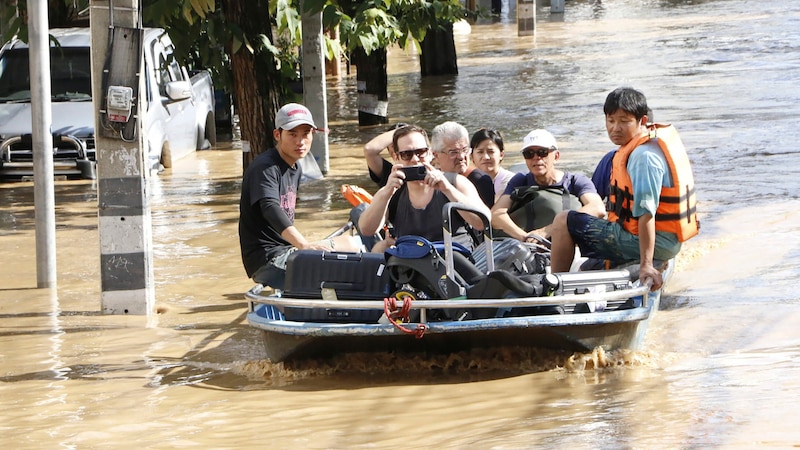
(176, 111)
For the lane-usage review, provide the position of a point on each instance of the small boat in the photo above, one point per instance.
(425, 300)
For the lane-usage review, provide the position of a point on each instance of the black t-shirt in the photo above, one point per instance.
(384, 176)
(484, 184)
(427, 222)
(267, 177)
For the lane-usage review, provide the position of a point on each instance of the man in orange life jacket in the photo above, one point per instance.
(652, 204)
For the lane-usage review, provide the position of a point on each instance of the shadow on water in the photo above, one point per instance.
(17, 214)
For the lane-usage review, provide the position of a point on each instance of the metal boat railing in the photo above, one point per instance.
(254, 297)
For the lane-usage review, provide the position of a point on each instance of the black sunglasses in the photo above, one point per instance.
(540, 152)
(406, 155)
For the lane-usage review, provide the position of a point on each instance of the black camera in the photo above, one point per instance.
(415, 173)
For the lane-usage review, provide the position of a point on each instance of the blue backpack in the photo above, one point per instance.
(414, 247)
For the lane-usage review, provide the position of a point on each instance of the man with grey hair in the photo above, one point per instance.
(450, 144)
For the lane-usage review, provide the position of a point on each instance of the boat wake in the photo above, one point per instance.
(388, 368)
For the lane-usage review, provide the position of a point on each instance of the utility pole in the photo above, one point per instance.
(42, 122)
(315, 96)
(526, 17)
(125, 228)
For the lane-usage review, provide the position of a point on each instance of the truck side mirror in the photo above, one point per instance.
(179, 90)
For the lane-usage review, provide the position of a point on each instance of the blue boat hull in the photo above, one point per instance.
(610, 330)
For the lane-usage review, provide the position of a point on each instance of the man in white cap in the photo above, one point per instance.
(531, 200)
(267, 235)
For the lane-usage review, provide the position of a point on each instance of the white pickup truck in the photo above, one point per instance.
(176, 111)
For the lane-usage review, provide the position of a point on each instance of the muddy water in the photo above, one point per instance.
(720, 362)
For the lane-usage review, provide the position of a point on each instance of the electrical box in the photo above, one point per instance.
(119, 103)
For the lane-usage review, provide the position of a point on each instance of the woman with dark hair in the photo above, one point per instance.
(488, 152)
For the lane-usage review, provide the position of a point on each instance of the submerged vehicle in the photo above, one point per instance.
(176, 111)
(439, 297)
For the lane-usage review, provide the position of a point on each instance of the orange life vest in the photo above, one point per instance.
(677, 205)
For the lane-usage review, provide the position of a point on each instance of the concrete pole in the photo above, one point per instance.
(125, 228)
(526, 17)
(42, 122)
(315, 94)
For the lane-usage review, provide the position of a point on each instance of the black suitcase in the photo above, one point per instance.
(351, 276)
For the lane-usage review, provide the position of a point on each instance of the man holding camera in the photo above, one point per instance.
(415, 193)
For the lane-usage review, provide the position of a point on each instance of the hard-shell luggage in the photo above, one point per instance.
(342, 275)
(513, 256)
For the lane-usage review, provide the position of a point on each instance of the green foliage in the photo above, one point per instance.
(205, 39)
(380, 23)
(61, 13)
(13, 25)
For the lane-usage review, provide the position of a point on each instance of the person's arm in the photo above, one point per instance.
(582, 187)
(647, 245)
(278, 220)
(373, 150)
(294, 237)
(592, 204)
(648, 169)
(502, 221)
(463, 192)
(374, 217)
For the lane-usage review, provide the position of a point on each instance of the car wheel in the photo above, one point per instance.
(166, 157)
(211, 129)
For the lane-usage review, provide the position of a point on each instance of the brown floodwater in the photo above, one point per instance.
(719, 364)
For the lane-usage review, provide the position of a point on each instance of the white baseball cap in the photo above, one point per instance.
(292, 115)
(539, 138)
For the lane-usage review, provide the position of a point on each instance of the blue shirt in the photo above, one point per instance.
(602, 174)
(576, 184)
(649, 172)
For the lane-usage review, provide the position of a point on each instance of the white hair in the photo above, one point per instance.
(447, 131)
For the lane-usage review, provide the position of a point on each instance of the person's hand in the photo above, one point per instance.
(383, 244)
(396, 178)
(435, 178)
(649, 273)
(317, 246)
(536, 236)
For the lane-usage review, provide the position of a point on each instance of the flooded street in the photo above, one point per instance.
(720, 362)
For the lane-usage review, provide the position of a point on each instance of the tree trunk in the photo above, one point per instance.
(372, 81)
(438, 55)
(257, 88)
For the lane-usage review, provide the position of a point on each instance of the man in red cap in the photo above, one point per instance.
(267, 235)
